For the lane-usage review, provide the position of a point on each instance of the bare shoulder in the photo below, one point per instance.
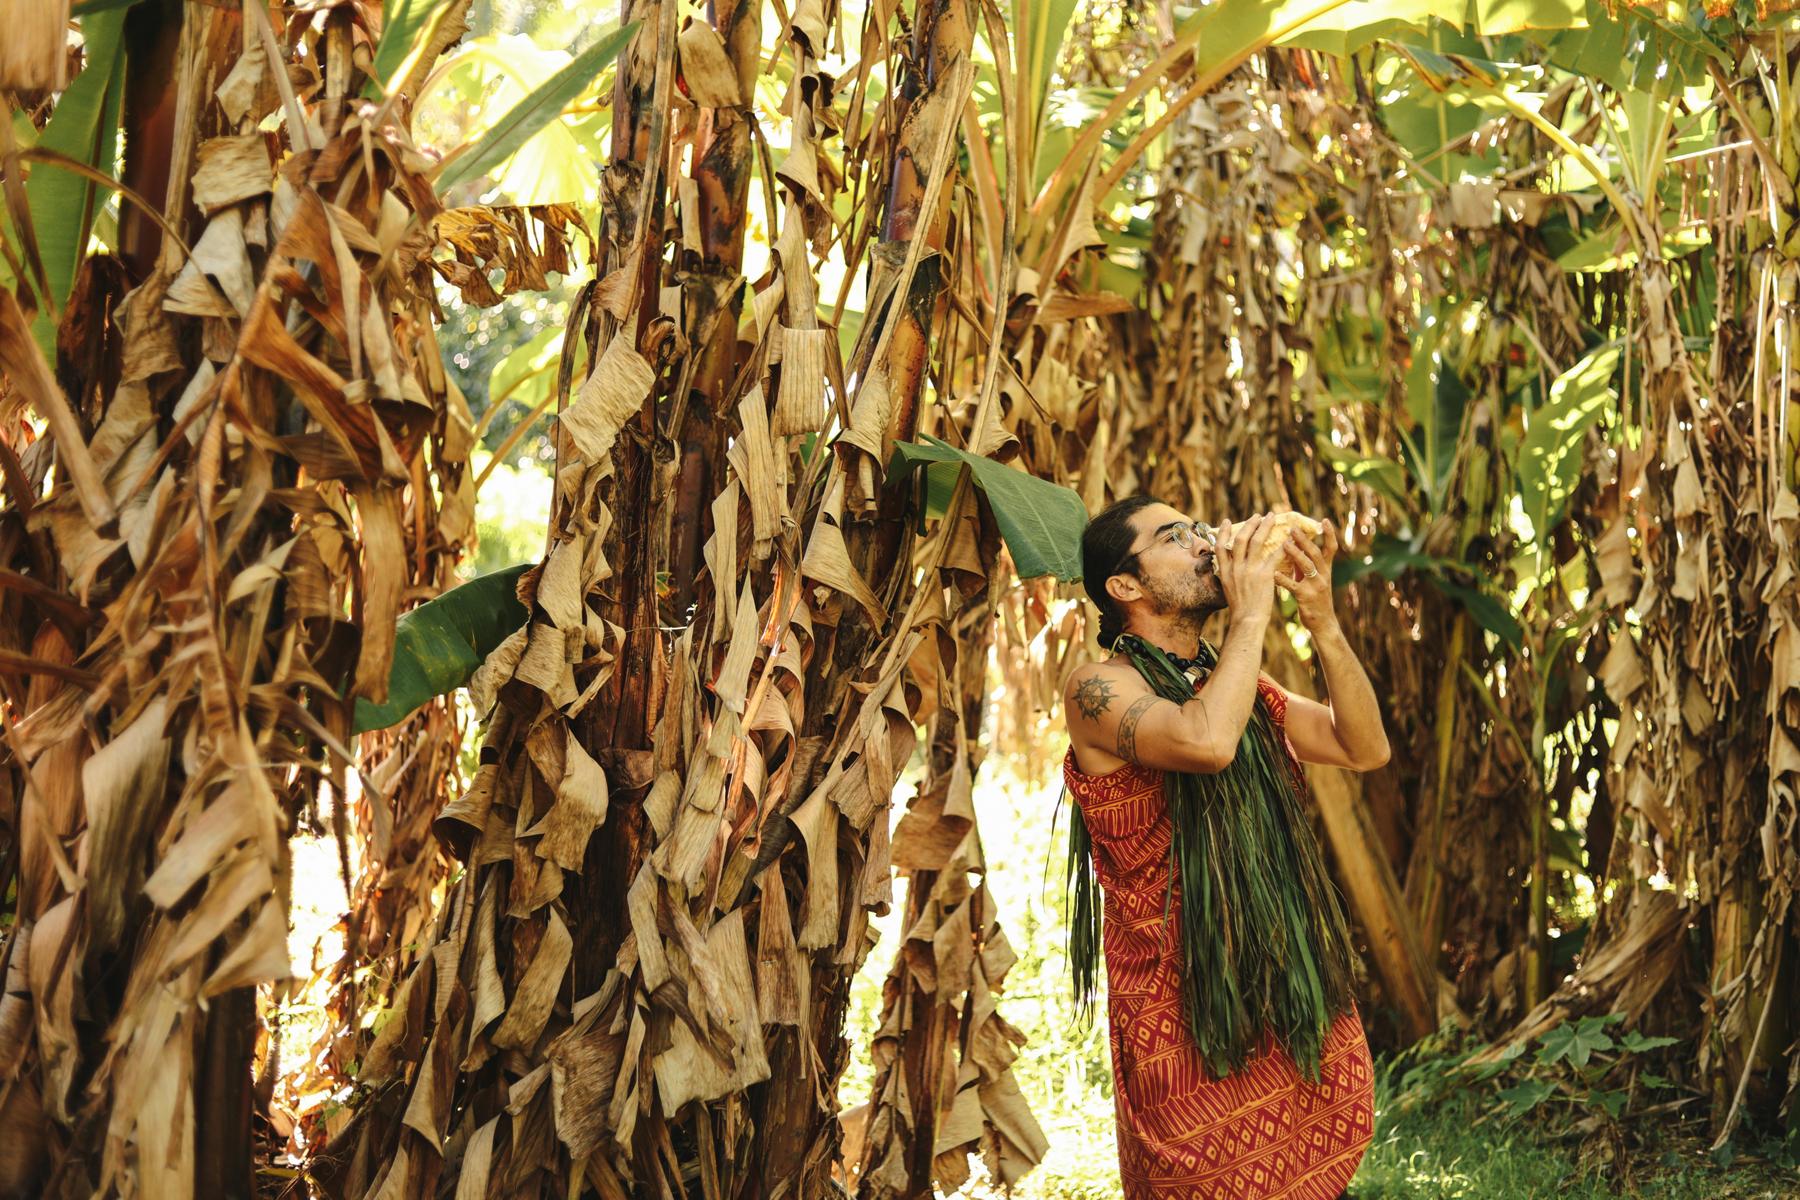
(1115, 718)
(1094, 690)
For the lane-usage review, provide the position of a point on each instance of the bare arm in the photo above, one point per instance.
(1348, 732)
(1113, 710)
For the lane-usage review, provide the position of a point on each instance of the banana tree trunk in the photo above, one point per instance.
(242, 497)
(723, 162)
(680, 824)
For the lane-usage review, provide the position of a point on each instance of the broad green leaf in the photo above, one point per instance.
(1646, 118)
(849, 328)
(85, 127)
(1489, 17)
(526, 375)
(1491, 614)
(940, 482)
(1425, 121)
(403, 23)
(1575, 1041)
(1522, 1098)
(1383, 474)
(1631, 50)
(1348, 348)
(1550, 457)
(1608, 248)
(1637, 1043)
(534, 112)
(1436, 398)
(1441, 70)
(1041, 521)
(1612, 1100)
(438, 645)
(1056, 140)
(1564, 846)
(1037, 28)
(1105, 275)
(489, 76)
(1361, 23)
(1388, 557)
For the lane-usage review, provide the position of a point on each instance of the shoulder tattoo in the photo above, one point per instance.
(1127, 748)
(1093, 696)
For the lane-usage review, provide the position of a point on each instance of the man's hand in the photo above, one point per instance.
(1308, 577)
(1348, 732)
(1247, 575)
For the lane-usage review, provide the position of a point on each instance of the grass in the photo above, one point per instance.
(1457, 1149)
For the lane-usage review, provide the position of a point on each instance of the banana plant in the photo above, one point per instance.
(61, 196)
(537, 151)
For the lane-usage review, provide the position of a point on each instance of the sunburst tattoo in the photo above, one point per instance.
(1093, 695)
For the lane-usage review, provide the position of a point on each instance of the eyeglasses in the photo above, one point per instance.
(1183, 533)
(1189, 532)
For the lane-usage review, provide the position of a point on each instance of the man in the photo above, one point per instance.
(1240, 1067)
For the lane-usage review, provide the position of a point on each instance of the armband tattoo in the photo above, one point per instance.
(1127, 748)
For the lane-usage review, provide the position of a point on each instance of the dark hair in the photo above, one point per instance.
(1105, 552)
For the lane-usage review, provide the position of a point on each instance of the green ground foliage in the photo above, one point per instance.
(1442, 1135)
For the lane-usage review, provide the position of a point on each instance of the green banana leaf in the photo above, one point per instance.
(1436, 399)
(1490, 17)
(84, 127)
(1361, 23)
(1490, 612)
(534, 112)
(1634, 50)
(1038, 28)
(1383, 474)
(1041, 521)
(1550, 456)
(403, 23)
(1390, 557)
(526, 375)
(439, 644)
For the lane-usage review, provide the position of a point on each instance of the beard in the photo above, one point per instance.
(1191, 596)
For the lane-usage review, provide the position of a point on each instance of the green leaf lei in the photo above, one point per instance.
(1263, 937)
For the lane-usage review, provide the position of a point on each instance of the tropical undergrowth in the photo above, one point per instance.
(1583, 1111)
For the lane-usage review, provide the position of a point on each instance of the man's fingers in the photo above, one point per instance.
(1244, 537)
(1301, 559)
(1306, 546)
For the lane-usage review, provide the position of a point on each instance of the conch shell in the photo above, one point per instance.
(1278, 526)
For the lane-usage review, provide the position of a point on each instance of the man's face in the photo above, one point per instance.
(1172, 578)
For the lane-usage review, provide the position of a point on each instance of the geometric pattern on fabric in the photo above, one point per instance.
(1262, 1133)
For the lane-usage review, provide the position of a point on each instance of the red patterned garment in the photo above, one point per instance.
(1261, 1133)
